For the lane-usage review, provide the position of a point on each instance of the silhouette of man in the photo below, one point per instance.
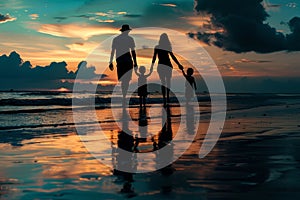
(124, 47)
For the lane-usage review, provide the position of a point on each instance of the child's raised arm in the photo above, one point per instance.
(183, 72)
(150, 72)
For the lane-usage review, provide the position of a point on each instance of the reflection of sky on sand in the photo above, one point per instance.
(58, 161)
(43, 165)
(93, 135)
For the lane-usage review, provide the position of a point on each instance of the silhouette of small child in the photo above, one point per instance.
(142, 83)
(190, 84)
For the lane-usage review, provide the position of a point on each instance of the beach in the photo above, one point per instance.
(43, 157)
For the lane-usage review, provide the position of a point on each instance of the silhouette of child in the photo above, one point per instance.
(190, 84)
(142, 83)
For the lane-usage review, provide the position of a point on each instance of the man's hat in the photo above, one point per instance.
(125, 27)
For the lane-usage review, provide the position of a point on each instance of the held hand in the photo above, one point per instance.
(135, 67)
(111, 67)
(151, 68)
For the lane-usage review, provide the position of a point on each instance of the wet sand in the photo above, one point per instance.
(257, 157)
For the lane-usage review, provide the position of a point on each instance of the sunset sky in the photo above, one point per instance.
(48, 31)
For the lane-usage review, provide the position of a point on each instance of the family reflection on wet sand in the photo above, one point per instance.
(142, 141)
(124, 160)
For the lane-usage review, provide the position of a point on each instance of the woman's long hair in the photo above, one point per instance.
(164, 42)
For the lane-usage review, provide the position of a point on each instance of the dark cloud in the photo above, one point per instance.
(83, 16)
(273, 5)
(18, 74)
(132, 15)
(59, 19)
(293, 39)
(87, 72)
(204, 37)
(79, 43)
(244, 27)
(6, 18)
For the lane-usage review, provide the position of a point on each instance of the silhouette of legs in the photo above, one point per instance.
(165, 74)
(168, 89)
(163, 89)
(142, 101)
(124, 70)
(124, 85)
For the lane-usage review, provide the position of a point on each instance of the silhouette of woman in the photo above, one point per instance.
(165, 137)
(163, 50)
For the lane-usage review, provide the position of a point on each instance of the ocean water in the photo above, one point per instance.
(38, 109)
(44, 109)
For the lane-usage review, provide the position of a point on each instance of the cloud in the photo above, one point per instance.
(6, 18)
(82, 47)
(195, 21)
(105, 21)
(75, 30)
(15, 4)
(34, 16)
(292, 5)
(243, 27)
(132, 15)
(18, 74)
(101, 14)
(102, 17)
(142, 13)
(24, 70)
(166, 14)
(59, 19)
(122, 13)
(227, 67)
(244, 60)
(85, 16)
(293, 39)
(269, 6)
(168, 4)
(87, 72)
